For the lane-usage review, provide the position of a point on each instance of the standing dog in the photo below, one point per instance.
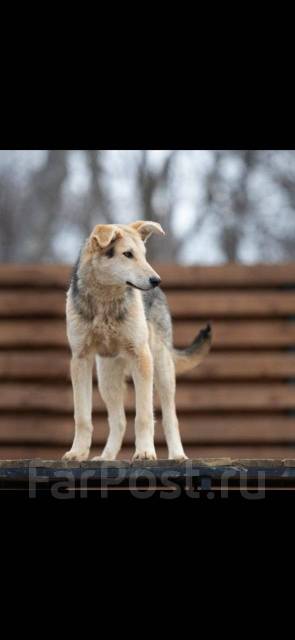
(116, 313)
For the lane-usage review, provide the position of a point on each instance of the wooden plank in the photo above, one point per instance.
(32, 303)
(205, 476)
(189, 397)
(226, 334)
(55, 365)
(35, 275)
(33, 333)
(44, 364)
(226, 275)
(231, 304)
(195, 452)
(182, 304)
(195, 276)
(241, 365)
(58, 430)
(238, 428)
(238, 333)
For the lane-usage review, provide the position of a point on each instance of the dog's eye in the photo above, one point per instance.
(110, 253)
(128, 254)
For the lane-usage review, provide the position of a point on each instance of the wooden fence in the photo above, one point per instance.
(240, 402)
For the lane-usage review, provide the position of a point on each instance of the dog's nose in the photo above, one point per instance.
(155, 282)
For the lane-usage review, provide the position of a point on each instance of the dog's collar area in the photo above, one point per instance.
(135, 287)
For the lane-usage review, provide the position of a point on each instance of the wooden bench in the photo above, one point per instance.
(240, 402)
(208, 477)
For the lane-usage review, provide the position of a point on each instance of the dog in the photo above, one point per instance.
(117, 314)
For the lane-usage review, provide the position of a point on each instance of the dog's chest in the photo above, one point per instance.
(106, 335)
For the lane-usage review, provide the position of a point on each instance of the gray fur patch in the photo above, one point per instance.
(121, 309)
(82, 301)
(157, 312)
(74, 280)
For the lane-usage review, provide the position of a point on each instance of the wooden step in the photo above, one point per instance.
(56, 453)
(230, 334)
(189, 397)
(43, 429)
(200, 304)
(55, 365)
(231, 304)
(195, 276)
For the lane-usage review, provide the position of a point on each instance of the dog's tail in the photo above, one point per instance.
(192, 356)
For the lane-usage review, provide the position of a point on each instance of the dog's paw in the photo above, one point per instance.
(103, 458)
(178, 457)
(147, 454)
(76, 455)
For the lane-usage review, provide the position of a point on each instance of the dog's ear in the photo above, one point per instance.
(103, 234)
(145, 228)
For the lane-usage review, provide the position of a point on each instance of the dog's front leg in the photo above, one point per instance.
(81, 374)
(142, 373)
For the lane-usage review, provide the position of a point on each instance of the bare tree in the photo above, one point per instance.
(149, 183)
(247, 198)
(230, 202)
(43, 204)
(10, 214)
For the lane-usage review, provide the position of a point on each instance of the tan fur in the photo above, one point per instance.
(144, 363)
(185, 363)
(106, 320)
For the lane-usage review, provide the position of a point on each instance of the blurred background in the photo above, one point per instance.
(228, 256)
(216, 206)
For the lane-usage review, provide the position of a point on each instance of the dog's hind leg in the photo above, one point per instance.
(165, 385)
(110, 374)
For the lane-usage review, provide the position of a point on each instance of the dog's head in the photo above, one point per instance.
(118, 254)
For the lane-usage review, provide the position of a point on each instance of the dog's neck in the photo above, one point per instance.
(91, 297)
